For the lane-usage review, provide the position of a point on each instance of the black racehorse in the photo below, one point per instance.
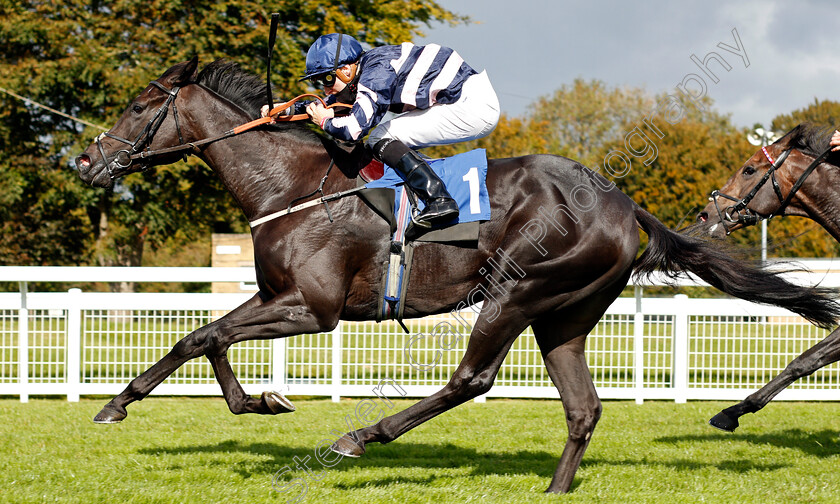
(569, 237)
(796, 175)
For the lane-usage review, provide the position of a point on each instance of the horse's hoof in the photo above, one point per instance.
(277, 403)
(347, 447)
(109, 415)
(724, 422)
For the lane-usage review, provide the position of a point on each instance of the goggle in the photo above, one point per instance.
(326, 80)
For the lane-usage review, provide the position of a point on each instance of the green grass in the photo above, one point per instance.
(182, 450)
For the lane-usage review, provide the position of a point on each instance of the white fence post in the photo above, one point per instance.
(74, 344)
(278, 365)
(336, 363)
(680, 371)
(23, 345)
(639, 347)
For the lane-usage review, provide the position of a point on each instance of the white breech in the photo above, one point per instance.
(474, 115)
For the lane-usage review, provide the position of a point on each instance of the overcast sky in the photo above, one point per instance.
(532, 47)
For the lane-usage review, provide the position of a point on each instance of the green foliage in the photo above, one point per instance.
(582, 117)
(586, 120)
(825, 112)
(695, 155)
(89, 59)
(514, 136)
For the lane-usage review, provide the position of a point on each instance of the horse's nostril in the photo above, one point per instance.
(702, 217)
(83, 162)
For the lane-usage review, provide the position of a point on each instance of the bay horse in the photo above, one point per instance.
(572, 235)
(796, 175)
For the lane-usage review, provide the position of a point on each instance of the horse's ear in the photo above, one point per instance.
(187, 72)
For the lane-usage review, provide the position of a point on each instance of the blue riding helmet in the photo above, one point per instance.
(323, 56)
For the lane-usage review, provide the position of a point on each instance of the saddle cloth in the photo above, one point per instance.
(465, 177)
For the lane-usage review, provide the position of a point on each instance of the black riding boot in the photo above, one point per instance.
(421, 179)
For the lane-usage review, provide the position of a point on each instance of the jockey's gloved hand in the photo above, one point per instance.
(264, 110)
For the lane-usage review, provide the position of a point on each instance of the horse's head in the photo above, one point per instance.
(149, 123)
(766, 185)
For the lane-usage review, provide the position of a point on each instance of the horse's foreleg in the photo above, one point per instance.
(269, 403)
(475, 375)
(822, 354)
(254, 319)
(189, 347)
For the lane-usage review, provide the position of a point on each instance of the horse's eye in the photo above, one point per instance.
(136, 109)
(749, 170)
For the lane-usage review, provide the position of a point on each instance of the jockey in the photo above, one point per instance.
(440, 99)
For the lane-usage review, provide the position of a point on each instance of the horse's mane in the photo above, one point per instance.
(242, 88)
(811, 139)
(247, 91)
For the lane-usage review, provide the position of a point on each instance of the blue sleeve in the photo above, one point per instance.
(372, 101)
(300, 106)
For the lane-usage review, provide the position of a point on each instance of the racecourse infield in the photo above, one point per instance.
(185, 450)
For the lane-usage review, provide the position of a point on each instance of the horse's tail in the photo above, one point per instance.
(673, 253)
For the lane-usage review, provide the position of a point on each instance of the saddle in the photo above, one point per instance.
(465, 178)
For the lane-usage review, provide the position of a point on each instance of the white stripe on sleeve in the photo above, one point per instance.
(446, 76)
(366, 99)
(349, 123)
(421, 67)
(370, 92)
(405, 49)
(366, 105)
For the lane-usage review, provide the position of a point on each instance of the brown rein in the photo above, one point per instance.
(273, 113)
(270, 118)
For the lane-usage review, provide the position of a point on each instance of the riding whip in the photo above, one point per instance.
(272, 35)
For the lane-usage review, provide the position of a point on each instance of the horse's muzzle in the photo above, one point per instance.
(706, 226)
(93, 174)
(83, 163)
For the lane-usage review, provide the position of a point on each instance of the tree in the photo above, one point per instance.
(587, 120)
(88, 58)
(694, 155)
(825, 112)
(514, 136)
(575, 121)
(584, 116)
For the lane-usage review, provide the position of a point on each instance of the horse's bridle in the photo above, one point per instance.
(123, 158)
(139, 147)
(740, 214)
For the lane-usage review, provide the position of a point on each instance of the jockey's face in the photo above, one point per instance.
(344, 73)
(336, 87)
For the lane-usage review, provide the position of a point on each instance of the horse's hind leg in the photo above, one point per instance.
(566, 364)
(820, 355)
(488, 345)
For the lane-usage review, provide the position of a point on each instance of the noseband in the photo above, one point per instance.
(118, 166)
(740, 214)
